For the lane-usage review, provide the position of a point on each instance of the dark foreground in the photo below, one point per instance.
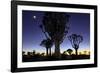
(30, 58)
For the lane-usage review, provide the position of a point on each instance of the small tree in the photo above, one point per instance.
(70, 51)
(47, 43)
(23, 53)
(85, 52)
(42, 54)
(33, 52)
(29, 53)
(64, 52)
(89, 52)
(80, 53)
(75, 41)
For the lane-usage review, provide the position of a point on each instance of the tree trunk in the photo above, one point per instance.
(57, 49)
(76, 51)
(47, 51)
(50, 51)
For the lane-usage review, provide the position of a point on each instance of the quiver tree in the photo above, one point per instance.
(75, 41)
(55, 27)
(47, 43)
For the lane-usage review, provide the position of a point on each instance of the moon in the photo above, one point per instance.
(34, 17)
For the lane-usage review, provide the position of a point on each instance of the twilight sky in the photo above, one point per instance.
(32, 34)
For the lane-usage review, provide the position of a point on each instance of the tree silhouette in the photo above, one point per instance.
(85, 52)
(89, 52)
(29, 53)
(80, 53)
(34, 52)
(55, 27)
(69, 51)
(64, 52)
(75, 41)
(47, 43)
(23, 53)
(42, 54)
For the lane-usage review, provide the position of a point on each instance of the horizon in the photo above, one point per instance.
(82, 50)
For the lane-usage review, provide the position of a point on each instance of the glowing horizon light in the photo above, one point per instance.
(80, 51)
